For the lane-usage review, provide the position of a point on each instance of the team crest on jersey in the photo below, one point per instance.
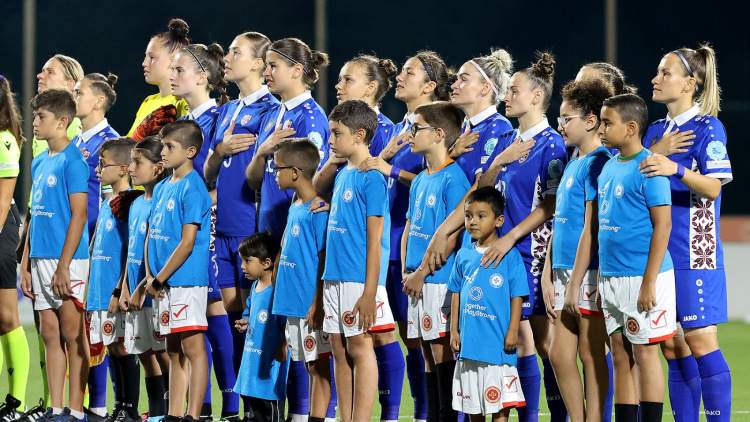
(223, 122)
(631, 324)
(555, 169)
(496, 280)
(295, 230)
(108, 328)
(51, 180)
(170, 204)
(569, 182)
(287, 124)
(262, 316)
(427, 323)
(604, 207)
(316, 138)
(157, 219)
(38, 195)
(245, 119)
(475, 293)
(489, 147)
(268, 126)
(716, 150)
(348, 319)
(109, 225)
(309, 343)
(619, 190)
(348, 195)
(492, 394)
(164, 318)
(431, 200)
(143, 227)
(655, 140)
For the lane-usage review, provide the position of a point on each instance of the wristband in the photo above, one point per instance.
(116, 292)
(680, 171)
(395, 172)
(157, 285)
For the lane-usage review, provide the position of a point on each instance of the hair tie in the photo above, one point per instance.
(486, 78)
(294, 62)
(687, 66)
(203, 69)
(427, 69)
(2, 78)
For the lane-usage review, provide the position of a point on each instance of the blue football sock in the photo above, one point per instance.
(531, 383)
(391, 367)
(298, 389)
(716, 386)
(207, 397)
(221, 354)
(610, 399)
(558, 412)
(684, 389)
(415, 374)
(238, 340)
(98, 384)
(331, 411)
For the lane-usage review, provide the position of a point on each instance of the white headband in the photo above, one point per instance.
(486, 78)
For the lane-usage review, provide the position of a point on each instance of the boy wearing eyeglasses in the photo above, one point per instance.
(358, 246)
(298, 294)
(433, 195)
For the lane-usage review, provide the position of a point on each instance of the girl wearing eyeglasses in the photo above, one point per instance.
(690, 148)
(482, 83)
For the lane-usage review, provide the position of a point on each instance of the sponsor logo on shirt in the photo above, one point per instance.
(109, 225)
(143, 227)
(716, 150)
(475, 293)
(489, 147)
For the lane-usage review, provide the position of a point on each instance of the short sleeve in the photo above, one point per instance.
(9, 155)
(375, 193)
(713, 159)
(519, 285)
(591, 179)
(656, 191)
(195, 205)
(553, 165)
(456, 187)
(320, 225)
(412, 192)
(454, 282)
(77, 175)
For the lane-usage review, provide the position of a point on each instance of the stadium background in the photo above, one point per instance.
(111, 36)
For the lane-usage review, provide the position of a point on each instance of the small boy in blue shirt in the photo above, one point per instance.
(358, 242)
(108, 264)
(264, 367)
(433, 195)
(57, 251)
(299, 286)
(636, 285)
(177, 254)
(486, 310)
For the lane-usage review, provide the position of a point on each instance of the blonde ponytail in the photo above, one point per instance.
(709, 97)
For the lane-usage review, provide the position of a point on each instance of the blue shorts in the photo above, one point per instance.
(398, 300)
(213, 288)
(534, 304)
(701, 297)
(229, 264)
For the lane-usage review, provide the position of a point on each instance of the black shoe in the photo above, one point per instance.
(203, 418)
(8, 410)
(36, 414)
(93, 417)
(124, 416)
(170, 418)
(189, 418)
(112, 416)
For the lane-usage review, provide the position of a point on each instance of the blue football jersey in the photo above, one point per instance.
(140, 210)
(490, 124)
(107, 258)
(176, 204)
(297, 276)
(305, 116)
(577, 186)
(55, 178)
(526, 182)
(235, 200)
(625, 229)
(89, 143)
(382, 136)
(205, 115)
(485, 303)
(432, 197)
(356, 196)
(695, 242)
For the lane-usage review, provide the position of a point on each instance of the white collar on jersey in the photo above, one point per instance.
(377, 110)
(255, 96)
(684, 117)
(410, 117)
(198, 112)
(294, 102)
(85, 136)
(544, 124)
(481, 116)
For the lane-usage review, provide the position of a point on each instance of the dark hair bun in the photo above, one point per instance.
(216, 50)
(112, 79)
(389, 68)
(320, 59)
(178, 29)
(545, 65)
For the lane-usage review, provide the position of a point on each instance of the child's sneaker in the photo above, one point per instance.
(8, 410)
(46, 416)
(93, 417)
(65, 416)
